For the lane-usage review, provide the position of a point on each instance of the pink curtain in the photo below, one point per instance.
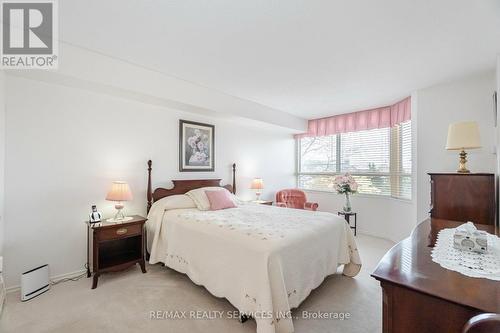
(386, 116)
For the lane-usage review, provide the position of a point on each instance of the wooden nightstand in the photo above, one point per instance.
(263, 202)
(115, 246)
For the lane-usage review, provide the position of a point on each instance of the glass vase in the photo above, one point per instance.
(347, 206)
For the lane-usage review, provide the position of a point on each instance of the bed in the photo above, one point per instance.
(264, 260)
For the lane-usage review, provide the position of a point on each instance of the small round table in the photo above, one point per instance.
(347, 217)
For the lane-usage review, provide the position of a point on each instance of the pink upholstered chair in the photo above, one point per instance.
(293, 198)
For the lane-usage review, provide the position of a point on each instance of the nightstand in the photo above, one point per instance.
(115, 246)
(263, 202)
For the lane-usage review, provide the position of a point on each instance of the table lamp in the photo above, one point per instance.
(257, 185)
(119, 192)
(461, 136)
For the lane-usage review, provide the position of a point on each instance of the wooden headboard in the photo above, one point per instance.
(183, 186)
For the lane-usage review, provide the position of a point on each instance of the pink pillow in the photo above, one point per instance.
(219, 200)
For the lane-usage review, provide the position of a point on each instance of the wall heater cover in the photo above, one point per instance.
(34, 282)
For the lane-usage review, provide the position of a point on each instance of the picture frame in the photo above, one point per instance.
(196, 146)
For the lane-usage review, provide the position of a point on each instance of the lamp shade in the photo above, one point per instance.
(119, 191)
(464, 135)
(257, 184)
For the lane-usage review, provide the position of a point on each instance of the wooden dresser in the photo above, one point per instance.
(463, 197)
(421, 296)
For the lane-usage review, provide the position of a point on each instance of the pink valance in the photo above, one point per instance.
(386, 116)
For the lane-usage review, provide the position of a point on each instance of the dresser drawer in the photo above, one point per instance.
(119, 232)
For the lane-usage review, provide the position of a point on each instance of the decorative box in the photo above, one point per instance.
(475, 241)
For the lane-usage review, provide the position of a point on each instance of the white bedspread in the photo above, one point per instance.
(265, 260)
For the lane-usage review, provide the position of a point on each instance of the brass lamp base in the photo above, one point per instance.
(463, 160)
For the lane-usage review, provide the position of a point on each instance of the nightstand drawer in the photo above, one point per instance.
(119, 232)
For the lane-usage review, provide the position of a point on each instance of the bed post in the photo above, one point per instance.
(234, 178)
(150, 190)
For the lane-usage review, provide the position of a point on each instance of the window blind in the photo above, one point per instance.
(319, 154)
(379, 159)
(406, 161)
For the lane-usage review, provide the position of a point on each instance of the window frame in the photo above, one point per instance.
(395, 174)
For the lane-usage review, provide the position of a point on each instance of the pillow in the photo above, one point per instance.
(200, 197)
(219, 200)
(179, 201)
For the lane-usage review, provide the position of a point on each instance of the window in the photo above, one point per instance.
(379, 159)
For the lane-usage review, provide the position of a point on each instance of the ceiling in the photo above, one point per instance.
(309, 58)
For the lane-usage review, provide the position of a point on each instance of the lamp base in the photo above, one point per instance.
(463, 160)
(119, 216)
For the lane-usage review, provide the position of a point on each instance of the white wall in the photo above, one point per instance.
(81, 67)
(497, 139)
(377, 216)
(469, 98)
(2, 156)
(64, 146)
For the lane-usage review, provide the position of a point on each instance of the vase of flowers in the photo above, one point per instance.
(346, 184)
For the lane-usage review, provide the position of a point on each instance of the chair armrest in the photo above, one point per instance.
(311, 206)
(281, 204)
(484, 322)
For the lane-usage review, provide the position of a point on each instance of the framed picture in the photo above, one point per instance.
(196, 146)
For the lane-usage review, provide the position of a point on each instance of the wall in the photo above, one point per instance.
(114, 76)
(377, 216)
(497, 139)
(2, 158)
(64, 146)
(469, 98)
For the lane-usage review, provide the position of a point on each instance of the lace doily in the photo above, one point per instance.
(471, 264)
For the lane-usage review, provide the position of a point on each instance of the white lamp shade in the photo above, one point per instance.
(257, 184)
(464, 135)
(119, 191)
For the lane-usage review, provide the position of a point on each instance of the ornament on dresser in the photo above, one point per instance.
(347, 185)
(468, 251)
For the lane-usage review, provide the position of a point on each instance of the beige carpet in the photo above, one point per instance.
(123, 301)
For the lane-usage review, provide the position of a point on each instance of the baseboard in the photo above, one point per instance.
(54, 278)
(367, 233)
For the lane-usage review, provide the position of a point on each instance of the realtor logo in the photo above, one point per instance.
(29, 34)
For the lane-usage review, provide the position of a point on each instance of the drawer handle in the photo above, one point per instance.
(121, 231)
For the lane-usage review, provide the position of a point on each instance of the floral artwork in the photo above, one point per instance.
(197, 141)
(196, 146)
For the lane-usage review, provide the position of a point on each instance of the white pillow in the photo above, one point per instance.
(178, 201)
(200, 198)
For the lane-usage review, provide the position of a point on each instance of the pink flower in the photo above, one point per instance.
(345, 184)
